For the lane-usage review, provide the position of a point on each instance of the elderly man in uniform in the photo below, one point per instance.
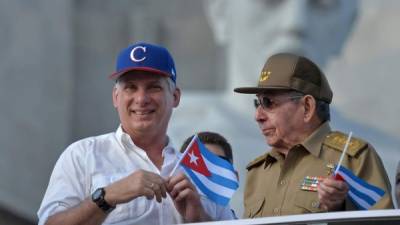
(124, 177)
(292, 111)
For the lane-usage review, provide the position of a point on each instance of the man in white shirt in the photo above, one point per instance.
(124, 177)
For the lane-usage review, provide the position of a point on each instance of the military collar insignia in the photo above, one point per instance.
(257, 162)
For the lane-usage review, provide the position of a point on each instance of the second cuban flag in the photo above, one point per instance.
(361, 193)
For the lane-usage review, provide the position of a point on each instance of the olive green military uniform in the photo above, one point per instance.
(274, 184)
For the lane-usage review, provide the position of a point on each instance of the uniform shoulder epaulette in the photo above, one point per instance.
(257, 161)
(337, 140)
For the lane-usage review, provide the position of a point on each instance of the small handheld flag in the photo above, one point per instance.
(213, 177)
(361, 193)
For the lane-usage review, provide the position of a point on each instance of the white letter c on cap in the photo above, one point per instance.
(133, 53)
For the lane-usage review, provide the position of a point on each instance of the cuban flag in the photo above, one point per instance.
(213, 176)
(361, 193)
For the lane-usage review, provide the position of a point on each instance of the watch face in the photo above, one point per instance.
(97, 194)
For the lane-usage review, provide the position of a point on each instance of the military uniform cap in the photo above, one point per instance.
(285, 71)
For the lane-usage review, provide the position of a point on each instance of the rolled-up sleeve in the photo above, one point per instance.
(67, 185)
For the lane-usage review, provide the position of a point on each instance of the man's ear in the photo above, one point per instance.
(177, 96)
(218, 14)
(115, 96)
(310, 106)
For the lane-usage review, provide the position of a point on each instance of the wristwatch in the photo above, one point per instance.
(98, 198)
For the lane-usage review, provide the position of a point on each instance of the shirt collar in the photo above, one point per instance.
(126, 141)
(314, 142)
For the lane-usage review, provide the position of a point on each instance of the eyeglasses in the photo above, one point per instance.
(267, 103)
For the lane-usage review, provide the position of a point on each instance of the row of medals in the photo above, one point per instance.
(310, 183)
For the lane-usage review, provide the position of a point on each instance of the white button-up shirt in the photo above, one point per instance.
(98, 161)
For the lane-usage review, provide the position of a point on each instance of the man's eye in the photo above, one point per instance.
(129, 87)
(156, 87)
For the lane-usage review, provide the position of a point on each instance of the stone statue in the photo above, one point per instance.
(249, 32)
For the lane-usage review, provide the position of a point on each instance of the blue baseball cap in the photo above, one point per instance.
(145, 57)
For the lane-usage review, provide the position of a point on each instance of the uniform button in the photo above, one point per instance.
(283, 182)
(315, 204)
(276, 211)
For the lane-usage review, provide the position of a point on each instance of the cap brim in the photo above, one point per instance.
(256, 90)
(115, 76)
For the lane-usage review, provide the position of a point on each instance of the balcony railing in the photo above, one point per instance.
(375, 217)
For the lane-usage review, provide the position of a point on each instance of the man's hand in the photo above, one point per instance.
(186, 199)
(332, 193)
(139, 183)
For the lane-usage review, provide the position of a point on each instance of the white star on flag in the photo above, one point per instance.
(193, 158)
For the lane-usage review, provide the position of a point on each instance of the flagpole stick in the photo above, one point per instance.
(344, 152)
(183, 155)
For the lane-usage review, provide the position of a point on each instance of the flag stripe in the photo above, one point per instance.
(218, 180)
(360, 203)
(215, 159)
(377, 190)
(222, 190)
(229, 174)
(370, 201)
(359, 188)
(223, 181)
(359, 184)
(219, 199)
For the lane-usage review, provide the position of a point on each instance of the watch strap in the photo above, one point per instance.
(98, 197)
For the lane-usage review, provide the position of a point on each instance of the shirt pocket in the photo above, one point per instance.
(306, 202)
(130, 210)
(255, 207)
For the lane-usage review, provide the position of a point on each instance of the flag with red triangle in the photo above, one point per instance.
(213, 176)
(194, 160)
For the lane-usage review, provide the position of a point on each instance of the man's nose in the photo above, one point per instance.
(260, 115)
(141, 96)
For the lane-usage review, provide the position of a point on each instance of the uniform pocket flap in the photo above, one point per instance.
(254, 207)
(307, 201)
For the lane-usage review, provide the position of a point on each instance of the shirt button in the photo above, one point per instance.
(283, 182)
(276, 211)
(315, 204)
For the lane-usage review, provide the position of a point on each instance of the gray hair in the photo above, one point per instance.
(322, 107)
(171, 84)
